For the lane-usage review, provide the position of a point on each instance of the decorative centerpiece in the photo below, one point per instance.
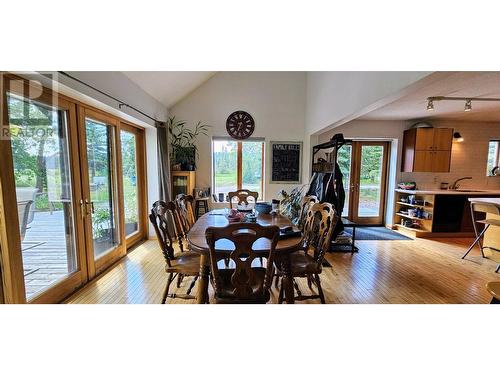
(234, 216)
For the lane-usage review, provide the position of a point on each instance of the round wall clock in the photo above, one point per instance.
(240, 125)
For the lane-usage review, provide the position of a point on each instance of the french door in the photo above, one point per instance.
(44, 257)
(364, 166)
(101, 206)
(72, 192)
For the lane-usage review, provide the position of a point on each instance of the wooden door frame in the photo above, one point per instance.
(139, 133)
(355, 176)
(11, 257)
(97, 266)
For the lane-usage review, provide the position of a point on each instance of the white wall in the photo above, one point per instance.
(391, 131)
(335, 96)
(276, 101)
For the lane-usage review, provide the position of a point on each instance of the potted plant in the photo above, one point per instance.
(183, 141)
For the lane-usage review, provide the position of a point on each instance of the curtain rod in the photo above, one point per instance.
(121, 103)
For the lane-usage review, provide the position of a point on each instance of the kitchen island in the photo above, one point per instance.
(436, 213)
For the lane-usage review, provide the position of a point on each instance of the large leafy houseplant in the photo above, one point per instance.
(183, 142)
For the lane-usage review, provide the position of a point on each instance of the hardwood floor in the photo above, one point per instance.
(418, 271)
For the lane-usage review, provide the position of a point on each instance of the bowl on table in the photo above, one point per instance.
(263, 208)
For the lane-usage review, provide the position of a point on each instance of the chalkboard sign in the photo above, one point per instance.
(286, 159)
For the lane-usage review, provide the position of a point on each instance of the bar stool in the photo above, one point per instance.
(201, 203)
(494, 288)
(488, 208)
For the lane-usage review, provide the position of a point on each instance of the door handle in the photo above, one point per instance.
(83, 210)
(87, 203)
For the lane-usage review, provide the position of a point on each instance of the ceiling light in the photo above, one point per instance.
(457, 137)
(468, 105)
(430, 105)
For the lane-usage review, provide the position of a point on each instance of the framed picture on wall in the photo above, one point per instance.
(286, 162)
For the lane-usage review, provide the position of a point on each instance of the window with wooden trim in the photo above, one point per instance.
(238, 165)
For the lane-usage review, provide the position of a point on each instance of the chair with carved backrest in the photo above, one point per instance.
(184, 205)
(317, 237)
(183, 265)
(242, 196)
(307, 202)
(245, 281)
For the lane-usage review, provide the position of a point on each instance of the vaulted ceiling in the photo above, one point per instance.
(169, 87)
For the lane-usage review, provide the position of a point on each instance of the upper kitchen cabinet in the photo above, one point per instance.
(427, 150)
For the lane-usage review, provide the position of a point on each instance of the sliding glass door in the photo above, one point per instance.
(72, 192)
(46, 187)
(133, 181)
(100, 176)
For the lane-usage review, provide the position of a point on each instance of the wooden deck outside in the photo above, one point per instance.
(44, 252)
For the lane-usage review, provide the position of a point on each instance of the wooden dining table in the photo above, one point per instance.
(197, 242)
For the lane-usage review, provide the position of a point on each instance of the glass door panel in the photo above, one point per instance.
(130, 182)
(40, 145)
(102, 187)
(370, 181)
(344, 159)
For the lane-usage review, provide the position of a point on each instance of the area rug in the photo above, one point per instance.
(377, 234)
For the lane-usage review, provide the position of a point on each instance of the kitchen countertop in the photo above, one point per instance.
(451, 192)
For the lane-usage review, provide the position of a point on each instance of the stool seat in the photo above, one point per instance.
(494, 222)
(201, 203)
(493, 288)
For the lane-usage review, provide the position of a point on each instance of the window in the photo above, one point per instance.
(238, 165)
(493, 158)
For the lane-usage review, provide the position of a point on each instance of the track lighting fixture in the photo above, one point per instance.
(468, 101)
(430, 105)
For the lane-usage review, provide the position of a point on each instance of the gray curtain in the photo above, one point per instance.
(163, 161)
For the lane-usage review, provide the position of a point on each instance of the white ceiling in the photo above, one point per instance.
(461, 84)
(169, 87)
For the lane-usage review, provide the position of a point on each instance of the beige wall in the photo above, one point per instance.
(276, 101)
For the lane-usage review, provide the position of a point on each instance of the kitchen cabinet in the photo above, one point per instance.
(427, 150)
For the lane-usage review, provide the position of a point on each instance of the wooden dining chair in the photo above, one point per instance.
(247, 281)
(182, 265)
(317, 237)
(185, 205)
(307, 202)
(242, 196)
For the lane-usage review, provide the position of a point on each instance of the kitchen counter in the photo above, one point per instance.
(446, 212)
(451, 192)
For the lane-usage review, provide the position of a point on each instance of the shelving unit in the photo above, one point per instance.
(425, 224)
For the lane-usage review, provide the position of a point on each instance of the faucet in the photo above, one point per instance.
(455, 186)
